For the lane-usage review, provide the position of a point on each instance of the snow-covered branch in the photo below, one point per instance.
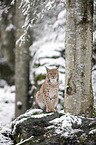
(33, 11)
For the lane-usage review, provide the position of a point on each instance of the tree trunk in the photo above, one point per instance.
(7, 29)
(22, 66)
(94, 16)
(78, 56)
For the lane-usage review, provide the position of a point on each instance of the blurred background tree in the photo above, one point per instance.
(7, 41)
(21, 64)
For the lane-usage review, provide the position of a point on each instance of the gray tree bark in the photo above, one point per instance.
(7, 30)
(21, 66)
(78, 55)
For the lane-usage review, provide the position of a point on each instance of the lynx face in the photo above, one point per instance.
(52, 75)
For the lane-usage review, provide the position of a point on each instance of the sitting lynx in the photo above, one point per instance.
(48, 94)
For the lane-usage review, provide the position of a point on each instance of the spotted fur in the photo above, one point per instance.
(47, 96)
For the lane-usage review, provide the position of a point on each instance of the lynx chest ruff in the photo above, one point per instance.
(48, 94)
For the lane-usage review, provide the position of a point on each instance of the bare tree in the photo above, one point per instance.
(78, 53)
(7, 30)
(21, 65)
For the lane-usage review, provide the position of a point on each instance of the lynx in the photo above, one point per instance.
(47, 96)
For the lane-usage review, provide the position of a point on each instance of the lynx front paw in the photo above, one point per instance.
(48, 110)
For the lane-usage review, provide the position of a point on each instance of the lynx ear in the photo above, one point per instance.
(57, 68)
(47, 69)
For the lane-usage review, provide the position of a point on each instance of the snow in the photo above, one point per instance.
(94, 86)
(62, 14)
(49, 5)
(10, 27)
(67, 120)
(63, 125)
(24, 141)
(92, 131)
(19, 103)
(7, 110)
(53, 62)
(28, 114)
(7, 96)
(13, 2)
(94, 36)
(59, 23)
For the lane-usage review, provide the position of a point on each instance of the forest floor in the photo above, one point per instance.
(7, 111)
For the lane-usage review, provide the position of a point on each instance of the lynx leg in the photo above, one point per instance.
(50, 109)
(49, 106)
(52, 104)
(40, 102)
(37, 94)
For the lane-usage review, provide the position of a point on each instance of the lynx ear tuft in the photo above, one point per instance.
(47, 69)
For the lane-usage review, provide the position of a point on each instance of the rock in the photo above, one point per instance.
(38, 128)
